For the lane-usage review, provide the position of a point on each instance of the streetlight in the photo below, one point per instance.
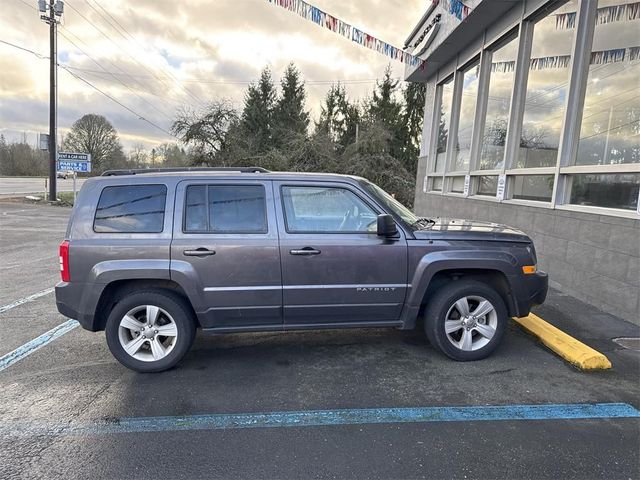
(51, 13)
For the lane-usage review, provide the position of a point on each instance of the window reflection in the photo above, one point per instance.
(610, 131)
(546, 91)
(487, 185)
(533, 187)
(606, 190)
(446, 91)
(467, 114)
(498, 103)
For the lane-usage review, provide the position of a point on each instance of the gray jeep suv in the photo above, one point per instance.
(151, 255)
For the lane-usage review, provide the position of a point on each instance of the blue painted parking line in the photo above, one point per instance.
(27, 299)
(315, 418)
(28, 348)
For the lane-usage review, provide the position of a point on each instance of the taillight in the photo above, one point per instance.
(64, 261)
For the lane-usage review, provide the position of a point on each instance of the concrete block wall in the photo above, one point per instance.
(595, 258)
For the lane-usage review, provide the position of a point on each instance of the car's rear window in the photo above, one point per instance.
(131, 209)
(225, 209)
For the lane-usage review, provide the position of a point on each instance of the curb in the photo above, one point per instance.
(573, 351)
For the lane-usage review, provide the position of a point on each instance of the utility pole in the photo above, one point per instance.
(52, 18)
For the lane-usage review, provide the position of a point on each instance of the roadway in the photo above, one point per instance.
(12, 186)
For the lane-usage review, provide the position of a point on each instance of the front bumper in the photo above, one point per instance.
(532, 291)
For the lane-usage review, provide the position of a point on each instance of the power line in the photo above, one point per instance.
(140, 117)
(75, 75)
(116, 78)
(167, 72)
(247, 82)
(617, 127)
(130, 55)
(24, 49)
(145, 88)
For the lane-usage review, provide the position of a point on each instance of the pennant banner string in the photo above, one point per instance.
(455, 7)
(602, 57)
(324, 19)
(613, 13)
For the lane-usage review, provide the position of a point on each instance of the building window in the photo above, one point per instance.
(533, 187)
(436, 184)
(444, 121)
(606, 190)
(610, 131)
(456, 185)
(498, 103)
(546, 91)
(467, 114)
(487, 185)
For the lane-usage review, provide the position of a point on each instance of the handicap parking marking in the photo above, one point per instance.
(317, 418)
(27, 299)
(28, 348)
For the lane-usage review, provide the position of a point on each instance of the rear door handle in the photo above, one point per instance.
(199, 252)
(305, 251)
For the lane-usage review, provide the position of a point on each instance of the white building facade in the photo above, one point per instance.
(532, 119)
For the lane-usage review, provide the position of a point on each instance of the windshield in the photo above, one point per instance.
(394, 205)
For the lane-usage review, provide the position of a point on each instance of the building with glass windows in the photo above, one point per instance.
(532, 119)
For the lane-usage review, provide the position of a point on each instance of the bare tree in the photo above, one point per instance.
(139, 155)
(94, 134)
(205, 131)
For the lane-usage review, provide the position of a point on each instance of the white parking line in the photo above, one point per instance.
(23, 300)
(28, 348)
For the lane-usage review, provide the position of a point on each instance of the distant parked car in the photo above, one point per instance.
(149, 256)
(64, 174)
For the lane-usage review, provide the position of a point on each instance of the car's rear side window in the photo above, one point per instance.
(225, 209)
(131, 209)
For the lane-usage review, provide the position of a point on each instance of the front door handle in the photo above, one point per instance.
(199, 252)
(305, 251)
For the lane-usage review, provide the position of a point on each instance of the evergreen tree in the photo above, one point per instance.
(290, 118)
(414, 99)
(339, 117)
(257, 117)
(384, 108)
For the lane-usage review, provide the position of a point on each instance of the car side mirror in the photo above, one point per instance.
(386, 226)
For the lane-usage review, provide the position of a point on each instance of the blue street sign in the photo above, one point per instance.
(76, 162)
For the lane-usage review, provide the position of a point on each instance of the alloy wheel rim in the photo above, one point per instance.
(147, 333)
(471, 323)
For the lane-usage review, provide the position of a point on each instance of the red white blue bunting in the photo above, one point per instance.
(324, 19)
(602, 57)
(455, 8)
(613, 13)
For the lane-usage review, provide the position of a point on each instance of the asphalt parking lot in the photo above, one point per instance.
(68, 409)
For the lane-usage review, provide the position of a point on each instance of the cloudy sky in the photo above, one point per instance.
(155, 56)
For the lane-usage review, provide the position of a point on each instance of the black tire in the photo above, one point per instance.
(175, 306)
(440, 304)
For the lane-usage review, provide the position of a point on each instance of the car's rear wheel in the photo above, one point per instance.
(466, 320)
(150, 331)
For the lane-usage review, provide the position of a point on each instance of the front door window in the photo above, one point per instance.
(326, 210)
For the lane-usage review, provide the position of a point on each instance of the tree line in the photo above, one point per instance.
(377, 137)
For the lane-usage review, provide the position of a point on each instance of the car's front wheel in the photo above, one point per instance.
(466, 320)
(150, 331)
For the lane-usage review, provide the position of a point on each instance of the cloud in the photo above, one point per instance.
(160, 55)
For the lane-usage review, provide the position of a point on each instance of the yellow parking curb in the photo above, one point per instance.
(573, 351)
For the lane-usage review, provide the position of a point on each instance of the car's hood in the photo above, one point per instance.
(460, 229)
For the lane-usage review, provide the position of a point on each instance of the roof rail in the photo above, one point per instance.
(142, 171)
